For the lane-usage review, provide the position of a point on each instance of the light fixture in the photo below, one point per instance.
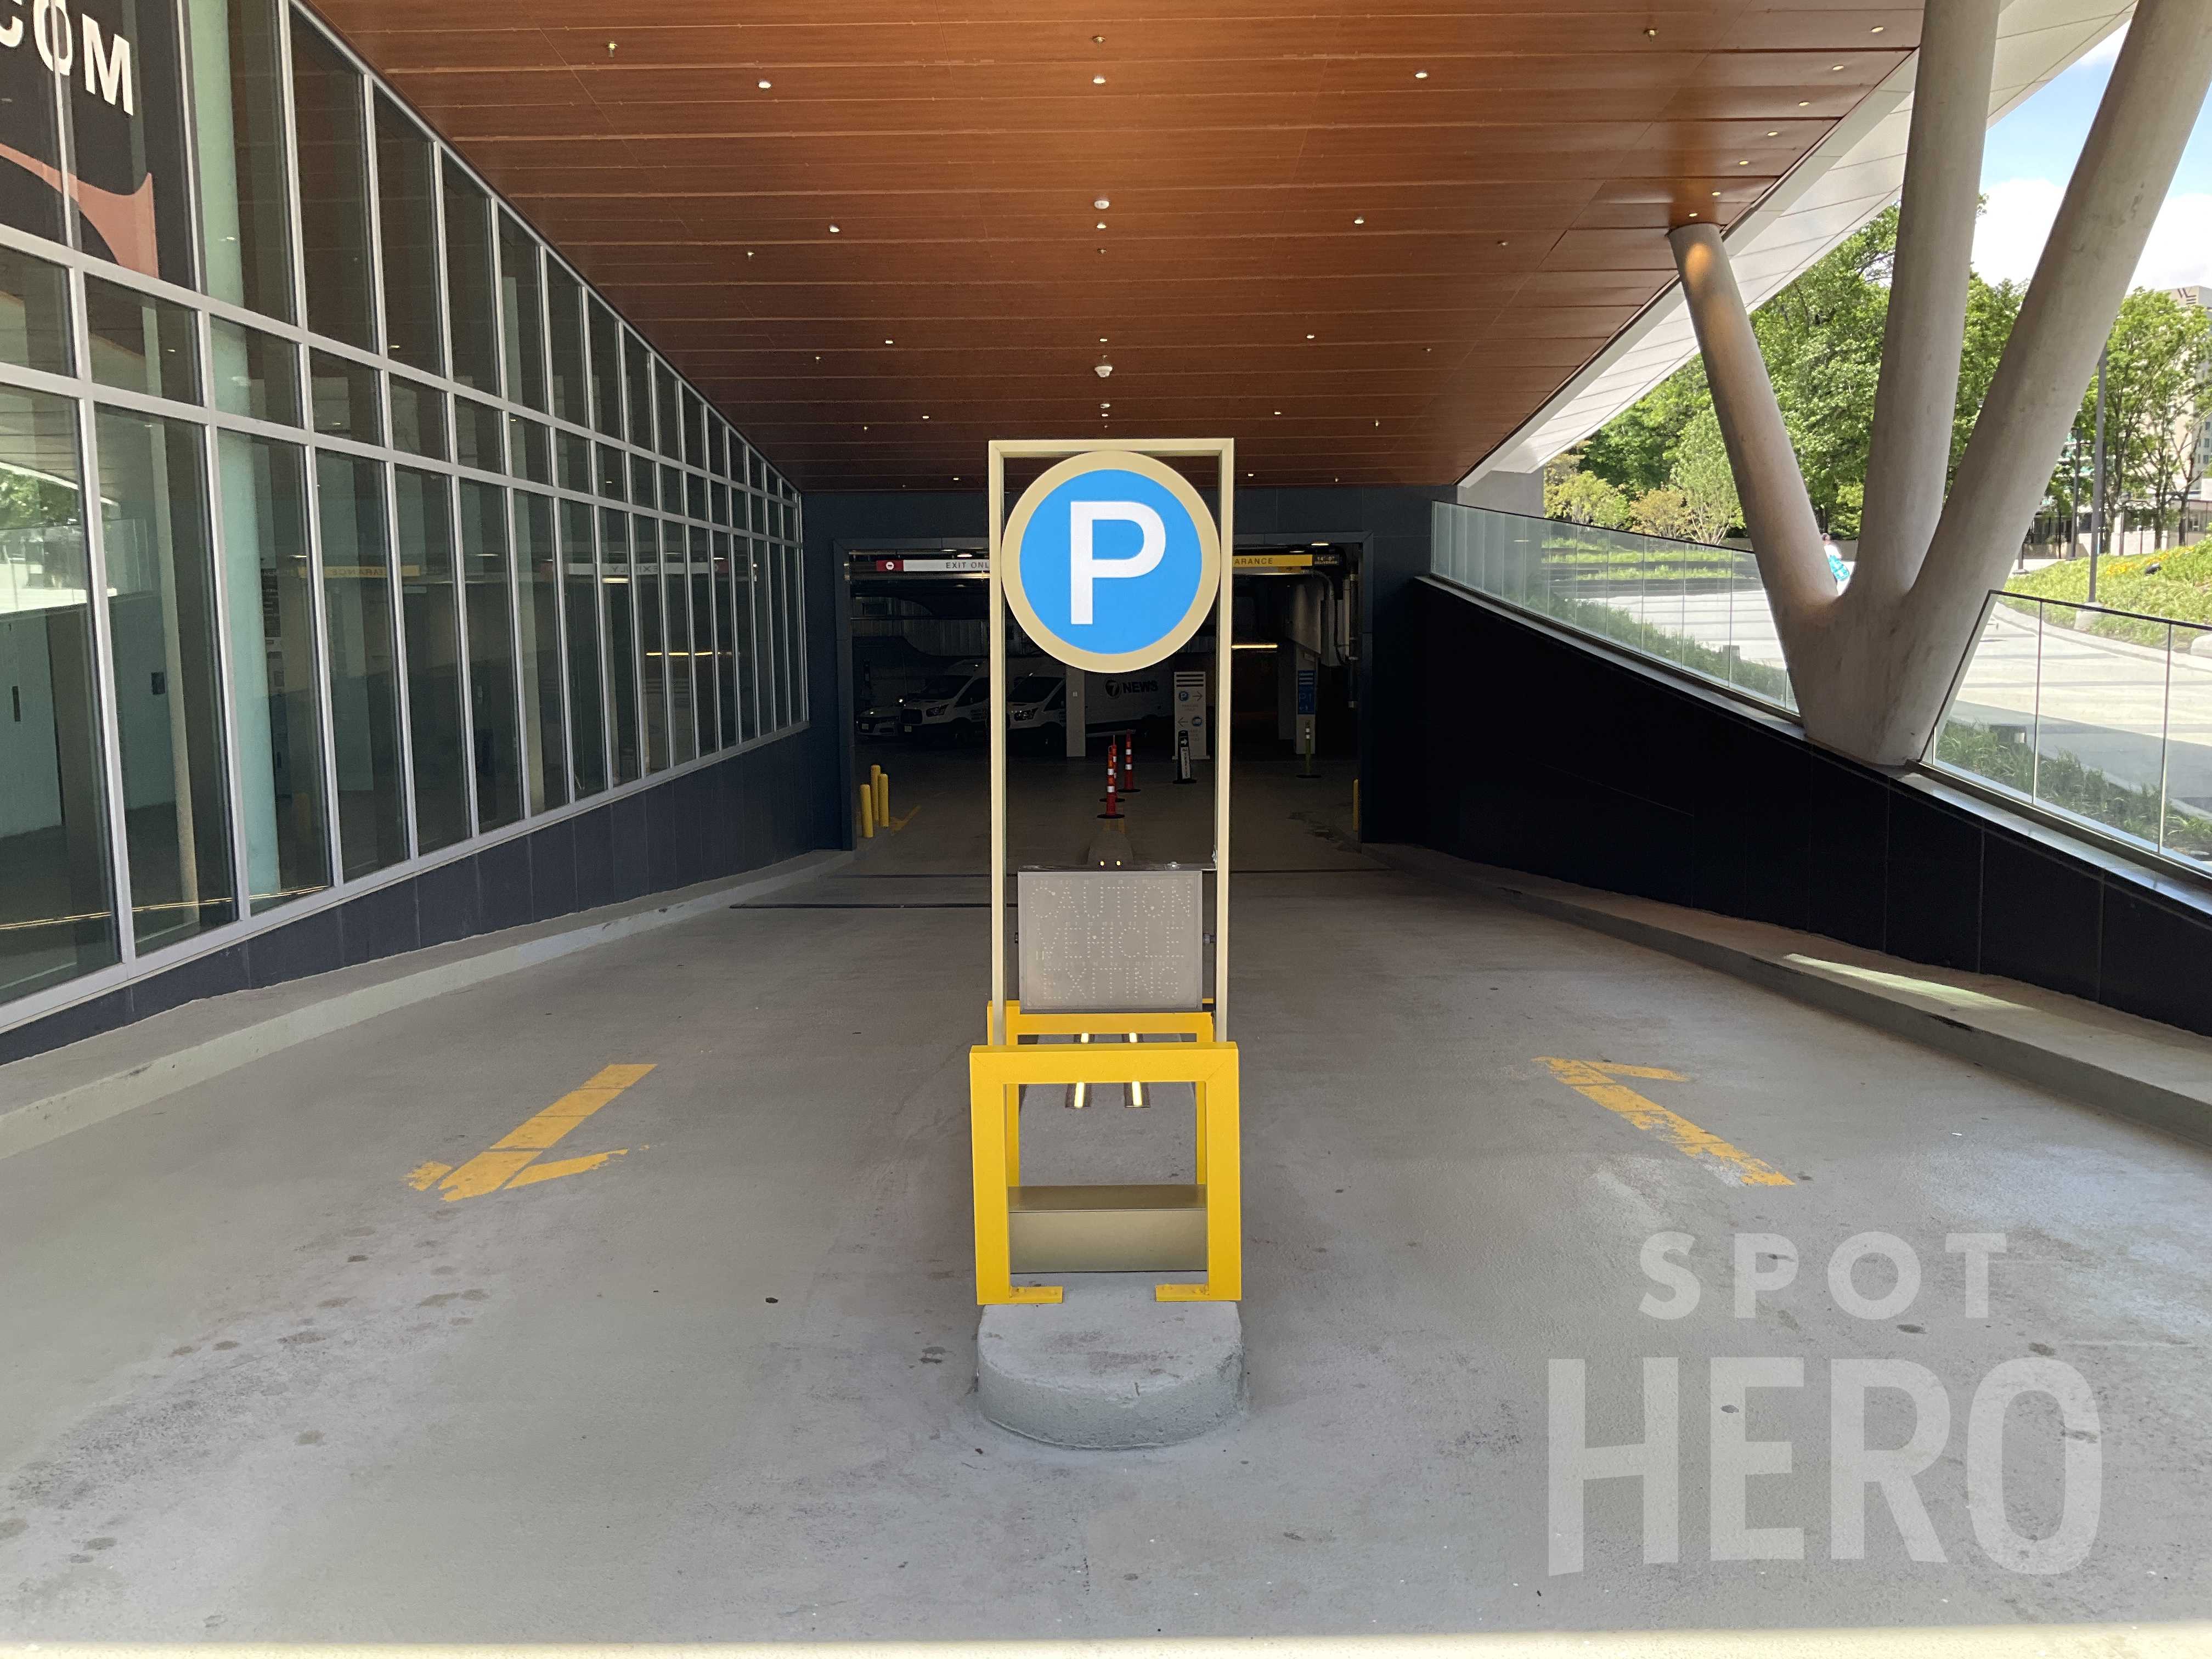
(1357, 219)
(1309, 337)
(1101, 224)
(1097, 39)
(749, 253)
(1097, 79)
(891, 343)
(833, 230)
(765, 85)
(1102, 339)
(1877, 28)
(1278, 411)
(1501, 241)
(1420, 75)
(1774, 132)
(1743, 164)
(1835, 69)
(1804, 103)
(925, 417)
(1716, 192)
(1101, 205)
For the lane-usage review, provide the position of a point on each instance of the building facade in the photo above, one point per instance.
(344, 529)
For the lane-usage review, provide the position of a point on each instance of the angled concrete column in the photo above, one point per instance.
(1872, 667)
(2127, 165)
(1784, 536)
(1926, 329)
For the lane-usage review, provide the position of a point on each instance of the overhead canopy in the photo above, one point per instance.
(1370, 247)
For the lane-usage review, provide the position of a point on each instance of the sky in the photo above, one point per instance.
(2031, 152)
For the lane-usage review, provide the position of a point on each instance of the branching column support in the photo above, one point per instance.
(1873, 665)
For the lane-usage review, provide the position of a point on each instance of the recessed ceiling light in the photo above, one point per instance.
(1097, 79)
(749, 253)
(1804, 103)
(833, 230)
(1101, 224)
(1309, 337)
(765, 85)
(1358, 220)
(891, 343)
(1102, 339)
(925, 417)
(1716, 192)
(1501, 241)
(1774, 132)
(1097, 39)
(1743, 164)
(956, 477)
(1877, 28)
(1101, 205)
(1835, 69)
(1102, 250)
(1420, 75)
(1278, 411)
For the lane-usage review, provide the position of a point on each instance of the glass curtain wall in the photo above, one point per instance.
(401, 537)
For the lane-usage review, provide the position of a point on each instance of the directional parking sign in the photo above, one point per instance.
(1112, 561)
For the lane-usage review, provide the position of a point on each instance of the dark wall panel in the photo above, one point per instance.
(1536, 753)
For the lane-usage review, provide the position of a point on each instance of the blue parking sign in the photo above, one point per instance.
(1111, 561)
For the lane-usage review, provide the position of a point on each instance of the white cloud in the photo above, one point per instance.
(2009, 237)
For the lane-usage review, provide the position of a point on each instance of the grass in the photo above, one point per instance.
(2180, 587)
(2065, 782)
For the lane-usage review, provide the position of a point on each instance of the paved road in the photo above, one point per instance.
(266, 1384)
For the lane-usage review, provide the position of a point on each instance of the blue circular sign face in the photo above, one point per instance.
(1112, 561)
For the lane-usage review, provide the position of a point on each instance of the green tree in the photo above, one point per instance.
(1584, 498)
(1662, 512)
(1635, 450)
(2158, 362)
(1821, 339)
(1707, 484)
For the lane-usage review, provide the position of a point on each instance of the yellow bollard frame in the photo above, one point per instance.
(996, 1075)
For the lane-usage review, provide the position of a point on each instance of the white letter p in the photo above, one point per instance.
(1085, 568)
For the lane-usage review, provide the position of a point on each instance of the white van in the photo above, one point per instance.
(1112, 702)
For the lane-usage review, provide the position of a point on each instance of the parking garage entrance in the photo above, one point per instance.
(921, 690)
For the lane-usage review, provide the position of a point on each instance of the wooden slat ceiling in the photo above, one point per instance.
(1366, 245)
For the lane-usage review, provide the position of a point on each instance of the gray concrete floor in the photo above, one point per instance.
(259, 1386)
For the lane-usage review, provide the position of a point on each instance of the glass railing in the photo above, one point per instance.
(1697, 607)
(2103, 715)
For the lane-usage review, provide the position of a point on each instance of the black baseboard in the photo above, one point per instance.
(1544, 753)
(741, 813)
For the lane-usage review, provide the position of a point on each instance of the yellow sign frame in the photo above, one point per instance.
(1002, 1064)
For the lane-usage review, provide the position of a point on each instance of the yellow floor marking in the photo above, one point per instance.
(567, 1166)
(1587, 1077)
(565, 1114)
(510, 1161)
(901, 823)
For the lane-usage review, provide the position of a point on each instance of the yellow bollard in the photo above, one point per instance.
(883, 798)
(867, 813)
